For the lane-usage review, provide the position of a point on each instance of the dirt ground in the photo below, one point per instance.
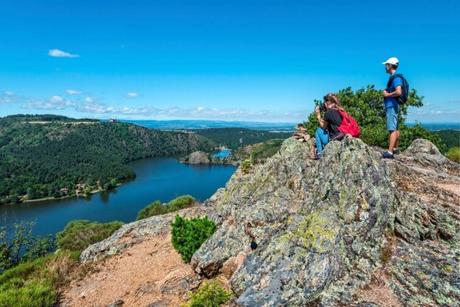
(149, 273)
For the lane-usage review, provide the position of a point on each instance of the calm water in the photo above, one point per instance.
(223, 153)
(162, 179)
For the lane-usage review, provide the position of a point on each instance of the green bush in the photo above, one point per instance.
(79, 234)
(454, 154)
(22, 246)
(210, 294)
(246, 166)
(366, 106)
(188, 235)
(156, 208)
(34, 283)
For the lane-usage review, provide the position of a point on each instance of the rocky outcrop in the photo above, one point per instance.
(323, 230)
(349, 229)
(198, 157)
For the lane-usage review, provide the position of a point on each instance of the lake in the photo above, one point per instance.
(224, 153)
(156, 179)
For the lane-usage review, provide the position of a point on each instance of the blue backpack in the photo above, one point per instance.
(404, 88)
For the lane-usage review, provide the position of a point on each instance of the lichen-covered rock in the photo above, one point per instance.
(253, 207)
(324, 228)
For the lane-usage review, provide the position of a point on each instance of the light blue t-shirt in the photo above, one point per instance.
(392, 101)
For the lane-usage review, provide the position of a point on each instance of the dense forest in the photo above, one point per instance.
(55, 156)
(234, 138)
(451, 138)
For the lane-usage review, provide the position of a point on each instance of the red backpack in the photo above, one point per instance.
(349, 124)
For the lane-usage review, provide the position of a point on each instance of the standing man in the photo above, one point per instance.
(391, 94)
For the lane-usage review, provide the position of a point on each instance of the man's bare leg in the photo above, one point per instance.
(392, 140)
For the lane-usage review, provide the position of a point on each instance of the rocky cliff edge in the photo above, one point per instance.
(350, 228)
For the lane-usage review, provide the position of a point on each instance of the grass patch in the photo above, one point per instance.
(156, 208)
(454, 154)
(188, 235)
(79, 234)
(34, 283)
(210, 294)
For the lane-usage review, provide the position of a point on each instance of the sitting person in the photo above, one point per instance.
(328, 129)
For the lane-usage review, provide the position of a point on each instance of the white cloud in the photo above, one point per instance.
(91, 106)
(52, 103)
(56, 99)
(56, 53)
(133, 94)
(8, 97)
(72, 92)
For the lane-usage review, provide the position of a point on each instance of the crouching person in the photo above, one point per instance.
(329, 124)
(335, 125)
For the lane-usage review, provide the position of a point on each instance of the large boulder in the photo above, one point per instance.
(323, 229)
(198, 157)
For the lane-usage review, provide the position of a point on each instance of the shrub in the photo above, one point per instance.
(188, 235)
(156, 208)
(366, 106)
(34, 283)
(454, 154)
(246, 166)
(79, 234)
(21, 245)
(210, 294)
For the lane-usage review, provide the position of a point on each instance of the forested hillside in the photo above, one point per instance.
(451, 138)
(54, 156)
(237, 137)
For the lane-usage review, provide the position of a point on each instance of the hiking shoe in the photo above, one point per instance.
(387, 155)
(396, 151)
(318, 156)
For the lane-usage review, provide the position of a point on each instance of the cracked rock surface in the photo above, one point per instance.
(324, 229)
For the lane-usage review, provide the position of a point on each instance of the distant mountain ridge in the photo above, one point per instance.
(206, 124)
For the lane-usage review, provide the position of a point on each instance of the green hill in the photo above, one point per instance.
(54, 156)
(236, 137)
(451, 138)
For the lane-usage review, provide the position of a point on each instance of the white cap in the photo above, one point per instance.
(392, 61)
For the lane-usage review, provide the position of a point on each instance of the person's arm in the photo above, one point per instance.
(397, 82)
(397, 92)
(321, 121)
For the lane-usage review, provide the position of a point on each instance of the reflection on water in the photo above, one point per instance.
(156, 179)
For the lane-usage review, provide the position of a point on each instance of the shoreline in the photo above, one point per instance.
(51, 198)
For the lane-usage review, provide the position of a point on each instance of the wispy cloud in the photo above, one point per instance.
(56, 53)
(90, 105)
(72, 92)
(52, 103)
(7, 97)
(132, 94)
(432, 113)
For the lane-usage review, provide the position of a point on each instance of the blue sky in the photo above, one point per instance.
(232, 60)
